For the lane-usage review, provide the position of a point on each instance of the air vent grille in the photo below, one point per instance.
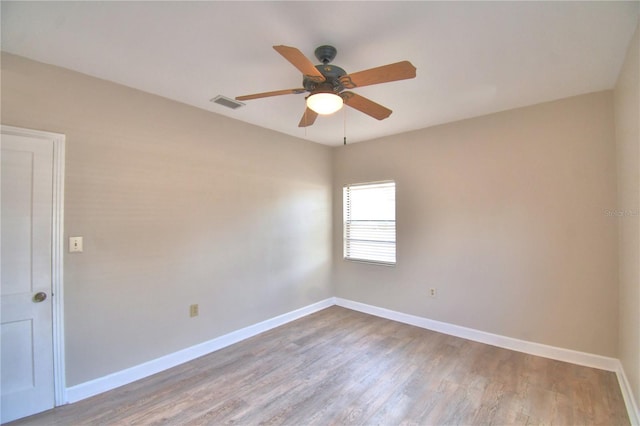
(227, 102)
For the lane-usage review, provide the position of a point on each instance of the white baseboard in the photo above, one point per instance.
(120, 378)
(560, 354)
(627, 394)
(546, 351)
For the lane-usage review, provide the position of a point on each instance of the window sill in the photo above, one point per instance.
(370, 262)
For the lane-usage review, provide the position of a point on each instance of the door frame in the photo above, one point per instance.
(57, 252)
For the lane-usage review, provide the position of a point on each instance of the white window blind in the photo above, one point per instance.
(370, 222)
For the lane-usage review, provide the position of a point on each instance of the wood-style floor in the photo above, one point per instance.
(338, 366)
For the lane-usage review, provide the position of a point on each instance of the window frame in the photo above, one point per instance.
(345, 237)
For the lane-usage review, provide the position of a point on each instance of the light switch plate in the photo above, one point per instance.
(75, 244)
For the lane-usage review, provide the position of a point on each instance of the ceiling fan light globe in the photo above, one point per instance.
(324, 103)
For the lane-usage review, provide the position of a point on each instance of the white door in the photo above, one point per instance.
(26, 343)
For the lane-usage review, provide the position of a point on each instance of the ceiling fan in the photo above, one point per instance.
(326, 84)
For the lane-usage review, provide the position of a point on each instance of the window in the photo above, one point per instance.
(370, 222)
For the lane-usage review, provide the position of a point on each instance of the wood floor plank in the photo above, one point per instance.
(339, 367)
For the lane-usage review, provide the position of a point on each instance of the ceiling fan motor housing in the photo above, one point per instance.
(332, 76)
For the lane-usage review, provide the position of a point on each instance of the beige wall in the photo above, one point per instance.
(504, 215)
(627, 123)
(177, 206)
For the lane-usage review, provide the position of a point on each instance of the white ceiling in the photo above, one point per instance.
(473, 58)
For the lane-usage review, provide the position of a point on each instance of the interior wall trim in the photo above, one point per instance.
(632, 408)
(532, 348)
(538, 349)
(121, 378)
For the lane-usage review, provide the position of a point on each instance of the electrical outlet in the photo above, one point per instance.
(433, 292)
(193, 310)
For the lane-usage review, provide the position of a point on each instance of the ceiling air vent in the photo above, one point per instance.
(224, 101)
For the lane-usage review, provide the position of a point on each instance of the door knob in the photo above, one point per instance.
(39, 297)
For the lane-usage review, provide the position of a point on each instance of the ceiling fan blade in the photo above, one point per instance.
(365, 105)
(308, 118)
(392, 72)
(267, 94)
(298, 60)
